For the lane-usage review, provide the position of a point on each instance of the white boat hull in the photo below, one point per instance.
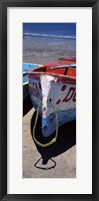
(63, 95)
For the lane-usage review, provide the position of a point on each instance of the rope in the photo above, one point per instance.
(56, 135)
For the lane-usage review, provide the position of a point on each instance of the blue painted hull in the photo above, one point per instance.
(26, 68)
(49, 124)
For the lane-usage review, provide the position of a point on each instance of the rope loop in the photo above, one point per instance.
(35, 123)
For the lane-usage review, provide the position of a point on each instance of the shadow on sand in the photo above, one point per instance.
(66, 139)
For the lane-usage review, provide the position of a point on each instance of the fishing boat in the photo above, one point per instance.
(30, 66)
(25, 85)
(26, 68)
(52, 88)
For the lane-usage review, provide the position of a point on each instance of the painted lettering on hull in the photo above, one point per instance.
(70, 95)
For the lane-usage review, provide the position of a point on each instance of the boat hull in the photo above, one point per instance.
(25, 90)
(25, 85)
(26, 68)
(30, 66)
(58, 89)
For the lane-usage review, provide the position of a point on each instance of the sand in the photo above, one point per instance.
(41, 52)
(63, 153)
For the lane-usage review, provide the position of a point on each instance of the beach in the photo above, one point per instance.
(46, 42)
(44, 51)
(59, 158)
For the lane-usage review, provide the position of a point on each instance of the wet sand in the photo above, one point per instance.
(41, 52)
(63, 153)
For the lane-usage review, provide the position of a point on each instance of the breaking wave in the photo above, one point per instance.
(47, 35)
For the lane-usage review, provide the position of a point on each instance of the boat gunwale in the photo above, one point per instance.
(31, 72)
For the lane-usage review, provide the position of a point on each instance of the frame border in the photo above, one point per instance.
(3, 100)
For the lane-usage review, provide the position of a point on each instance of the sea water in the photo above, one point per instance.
(46, 42)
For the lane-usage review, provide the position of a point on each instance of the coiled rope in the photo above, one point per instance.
(56, 134)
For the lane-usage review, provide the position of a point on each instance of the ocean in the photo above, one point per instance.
(45, 42)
